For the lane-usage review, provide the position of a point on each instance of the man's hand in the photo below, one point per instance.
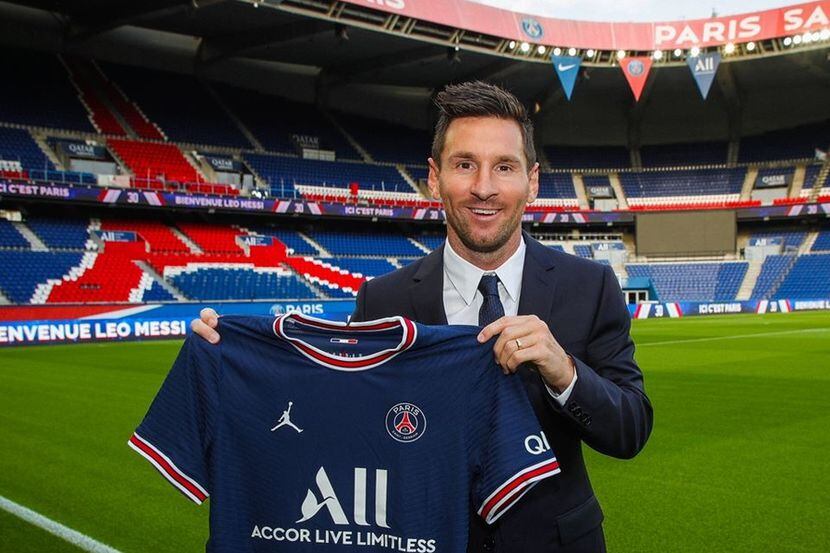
(527, 339)
(204, 325)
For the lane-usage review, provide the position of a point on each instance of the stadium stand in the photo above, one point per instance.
(362, 267)
(283, 173)
(791, 238)
(692, 183)
(236, 283)
(61, 234)
(40, 94)
(128, 110)
(273, 121)
(809, 278)
(289, 238)
(353, 243)
(692, 281)
(18, 145)
(556, 185)
(583, 251)
(10, 237)
(88, 81)
(156, 293)
(159, 237)
(216, 239)
(678, 155)
(583, 157)
(796, 143)
(773, 270)
(387, 142)
(22, 271)
(431, 241)
(179, 105)
(822, 243)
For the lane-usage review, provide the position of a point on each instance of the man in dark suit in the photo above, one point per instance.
(561, 321)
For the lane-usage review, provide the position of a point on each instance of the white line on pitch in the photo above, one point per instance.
(732, 337)
(64, 532)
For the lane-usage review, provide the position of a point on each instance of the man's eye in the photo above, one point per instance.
(504, 168)
(465, 165)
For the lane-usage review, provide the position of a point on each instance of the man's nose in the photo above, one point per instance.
(484, 187)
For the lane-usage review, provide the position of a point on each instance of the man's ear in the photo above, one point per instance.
(533, 183)
(432, 179)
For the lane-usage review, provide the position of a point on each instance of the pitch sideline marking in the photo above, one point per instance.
(734, 336)
(55, 528)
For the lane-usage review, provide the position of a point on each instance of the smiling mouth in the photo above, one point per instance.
(484, 212)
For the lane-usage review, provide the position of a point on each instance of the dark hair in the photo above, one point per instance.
(480, 99)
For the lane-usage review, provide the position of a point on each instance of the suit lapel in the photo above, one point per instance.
(427, 291)
(538, 283)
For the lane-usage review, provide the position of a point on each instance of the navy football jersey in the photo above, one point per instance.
(310, 435)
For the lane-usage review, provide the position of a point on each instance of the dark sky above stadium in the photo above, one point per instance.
(635, 10)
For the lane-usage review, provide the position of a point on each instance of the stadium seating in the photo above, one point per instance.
(290, 238)
(179, 104)
(22, 271)
(105, 277)
(809, 278)
(773, 270)
(159, 237)
(556, 185)
(361, 267)
(822, 243)
(37, 92)
(431, 241)
(386, 141)
(791, 238)
(692, 281)
(88, 80)
(282, 173)
(155, 162)
(585, 157)
(128, 110)
(238, 283)
(216, 239)
(274, 120)
(693, 182)
(333, 281)
(796, 143)
(10, 237)
(583, 251)
(156, 293)
(61, 234)
(353, 243)
(678, 155)
(18, 145)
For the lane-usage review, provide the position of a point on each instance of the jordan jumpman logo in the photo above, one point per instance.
(285, 419)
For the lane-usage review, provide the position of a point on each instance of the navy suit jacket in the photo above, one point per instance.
(581, 302)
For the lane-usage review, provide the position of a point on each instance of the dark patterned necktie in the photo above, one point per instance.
(491, 307)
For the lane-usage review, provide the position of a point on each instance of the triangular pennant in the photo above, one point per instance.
(703, 68)
(636, 72)
(567, 67)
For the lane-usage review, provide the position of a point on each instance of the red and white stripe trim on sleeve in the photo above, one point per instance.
(506, 495)
(185, 484)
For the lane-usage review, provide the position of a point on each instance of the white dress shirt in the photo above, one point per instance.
(462, 300)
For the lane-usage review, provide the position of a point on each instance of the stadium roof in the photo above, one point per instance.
(361, 60)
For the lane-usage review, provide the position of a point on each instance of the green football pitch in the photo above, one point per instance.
(736, 461)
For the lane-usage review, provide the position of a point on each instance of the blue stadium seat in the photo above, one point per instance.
(18, 145)
(241, 284)
(693, 281)
(773, 270)
(822, 243)
(694, 182)
(290, 238)
(386, 141)
(588, 157)
(431, 241)
(157, 293)
(374, 244)
(556, 185)
(809, 278)
(796, 143)
(21, 272)
(11, 238)
(60, 234)
(583, 251)
(366, 267)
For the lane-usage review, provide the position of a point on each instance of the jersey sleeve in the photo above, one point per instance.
(175, 435)
(512, 453)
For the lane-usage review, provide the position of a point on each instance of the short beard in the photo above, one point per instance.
(500, 240)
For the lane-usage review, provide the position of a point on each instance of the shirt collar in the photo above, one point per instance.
(465, 276)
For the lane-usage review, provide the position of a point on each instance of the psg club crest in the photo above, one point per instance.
(636, 68)
(532, 28)
(405, 422)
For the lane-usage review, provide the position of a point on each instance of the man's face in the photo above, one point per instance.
(483, 181)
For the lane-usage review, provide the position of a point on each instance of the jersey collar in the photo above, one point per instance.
(408, 335)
